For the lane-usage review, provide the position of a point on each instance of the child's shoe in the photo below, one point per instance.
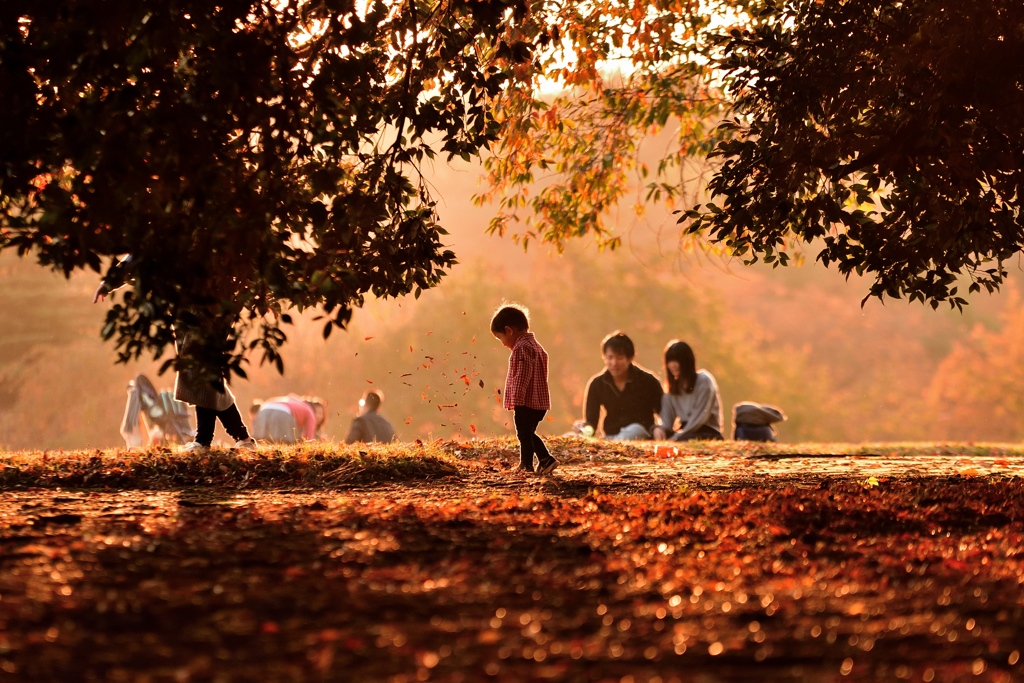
(195, 448)
(246, 444)
(548, 467)
(522, 469)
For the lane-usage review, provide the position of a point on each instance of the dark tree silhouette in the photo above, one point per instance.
(251, 156)
(889, 134)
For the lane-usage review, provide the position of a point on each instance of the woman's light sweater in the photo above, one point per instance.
(702, 406)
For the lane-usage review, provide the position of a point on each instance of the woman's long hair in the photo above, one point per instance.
(682, 354)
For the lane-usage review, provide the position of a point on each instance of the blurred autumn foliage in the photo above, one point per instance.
(797, 338)
(979, 383)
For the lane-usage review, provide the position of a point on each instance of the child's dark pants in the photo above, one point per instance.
(526, 421)
(206, 420)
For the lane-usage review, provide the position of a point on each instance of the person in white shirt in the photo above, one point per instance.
(691, 398)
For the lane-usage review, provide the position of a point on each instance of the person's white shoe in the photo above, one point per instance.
(246, 444)
(196, 448)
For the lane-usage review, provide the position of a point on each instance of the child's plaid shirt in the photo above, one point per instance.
(527, 381)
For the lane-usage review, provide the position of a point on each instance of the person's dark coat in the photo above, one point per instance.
(369, 428)
(638, 402)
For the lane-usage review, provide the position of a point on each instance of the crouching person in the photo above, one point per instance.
(285, 420)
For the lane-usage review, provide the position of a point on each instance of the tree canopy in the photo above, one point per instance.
(887, 136)
(251, 156)
(255, 156)
(604, 77)
(889, 133)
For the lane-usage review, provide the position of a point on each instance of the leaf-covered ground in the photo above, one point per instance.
(720, 562)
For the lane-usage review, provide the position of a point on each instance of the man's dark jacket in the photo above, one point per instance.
(638, 402)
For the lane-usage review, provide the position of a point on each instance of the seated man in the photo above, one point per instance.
(630, 395)
(370, 426)
(285, 419)
(691, 399)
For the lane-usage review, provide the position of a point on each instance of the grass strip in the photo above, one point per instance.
(313, 465)
(329, 465)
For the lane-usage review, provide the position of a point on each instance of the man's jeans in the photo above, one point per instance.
(631, 432)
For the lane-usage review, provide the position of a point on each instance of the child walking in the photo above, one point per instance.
(526, 387)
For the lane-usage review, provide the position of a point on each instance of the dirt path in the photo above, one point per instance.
(690, 567)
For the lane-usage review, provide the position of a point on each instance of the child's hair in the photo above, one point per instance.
(255, 408)
(511, 315)
(619, 344)
(682, 354)
(372, 398)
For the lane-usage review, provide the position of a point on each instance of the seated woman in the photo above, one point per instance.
(691, 397)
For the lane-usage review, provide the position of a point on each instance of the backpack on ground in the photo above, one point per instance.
(754, 421)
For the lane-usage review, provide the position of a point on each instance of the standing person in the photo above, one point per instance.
(211, 397)
(691, 397)
(526, 386)
(370, 426)
(630, 395)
